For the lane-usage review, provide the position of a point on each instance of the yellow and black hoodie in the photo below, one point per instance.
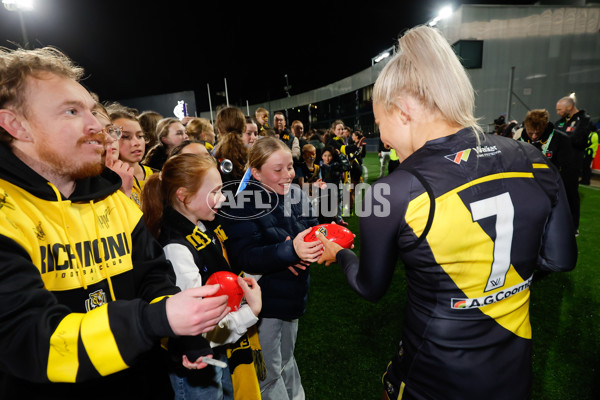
(82, 289)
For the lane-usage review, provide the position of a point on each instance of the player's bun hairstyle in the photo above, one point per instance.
(426, 68)
(262, 149)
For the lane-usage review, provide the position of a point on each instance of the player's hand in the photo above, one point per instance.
(330, 250)
(190, 313)
(252, 293)
(307, 251)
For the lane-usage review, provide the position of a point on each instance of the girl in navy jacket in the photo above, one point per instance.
(265, 225)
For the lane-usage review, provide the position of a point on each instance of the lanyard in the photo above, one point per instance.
(547, 143)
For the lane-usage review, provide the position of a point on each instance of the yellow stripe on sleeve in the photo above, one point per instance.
(540, 165)
(100, 343)
(63, 362)
(156, 300)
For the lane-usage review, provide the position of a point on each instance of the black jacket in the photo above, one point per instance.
(257, 232)
(577, 128)
(556, 147)
(77, 279)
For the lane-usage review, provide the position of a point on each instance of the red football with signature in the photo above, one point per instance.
(229, 286)
(336, 233)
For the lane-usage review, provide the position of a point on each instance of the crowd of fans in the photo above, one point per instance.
(569, 144)
(143, 209)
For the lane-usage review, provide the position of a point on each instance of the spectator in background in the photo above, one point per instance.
(269, 132)
(333, 167)
(316, 139)
(131, 148)
(284, 134)
(310, 172)
(170, 132)
(556, 147)
(201, 129)
(148, 120)
(336, 136)
(394, 161)
(383, 152)
(309, 178)
(356, 150)
(503, 128)
(251, 133)
(189, 146)
(262, 119)
(298, 131)
(347, 135)
(510, 129)
(231, 124)
(577, 125)
(588, 157)
(112, 161)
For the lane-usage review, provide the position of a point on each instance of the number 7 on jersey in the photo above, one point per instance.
(502, 207)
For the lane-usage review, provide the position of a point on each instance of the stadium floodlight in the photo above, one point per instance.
(383, 55)
(444, 12)
(18, 5)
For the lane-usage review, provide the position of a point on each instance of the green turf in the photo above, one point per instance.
(345, 342)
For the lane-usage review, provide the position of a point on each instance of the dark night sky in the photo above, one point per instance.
(133, 48)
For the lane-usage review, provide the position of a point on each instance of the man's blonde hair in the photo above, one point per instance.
(17, 65)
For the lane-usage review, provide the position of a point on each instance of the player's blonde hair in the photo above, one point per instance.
(426, 68)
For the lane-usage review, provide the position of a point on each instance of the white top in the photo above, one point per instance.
(187, 274)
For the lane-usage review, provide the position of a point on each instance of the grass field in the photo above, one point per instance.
(345, 342)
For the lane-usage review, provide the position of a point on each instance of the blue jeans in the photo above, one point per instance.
(210, 383)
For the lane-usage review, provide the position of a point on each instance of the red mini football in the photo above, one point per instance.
(336, 233)
(229, 286)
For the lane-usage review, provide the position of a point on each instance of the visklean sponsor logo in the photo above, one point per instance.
(481, 151)
(460, 156)
(465, 304)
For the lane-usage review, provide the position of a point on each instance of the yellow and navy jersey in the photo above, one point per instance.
(471, 223)
(78, 276)
(309, 175)
(138, 185)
